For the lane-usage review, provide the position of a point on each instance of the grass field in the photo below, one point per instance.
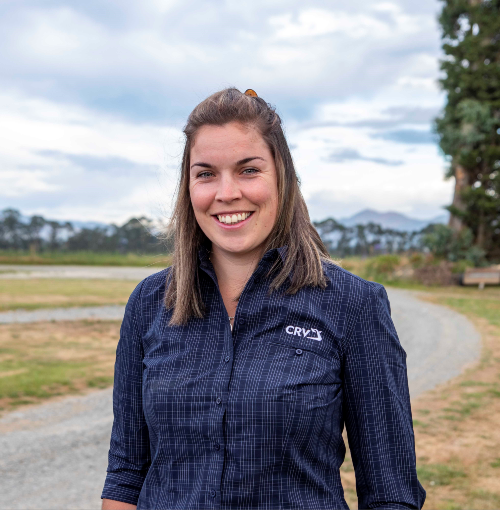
(83, 258)
(49, 293)
(43, 360)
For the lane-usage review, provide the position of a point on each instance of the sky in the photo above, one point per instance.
(94, 95)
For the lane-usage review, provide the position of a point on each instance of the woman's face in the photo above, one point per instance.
(233, 187)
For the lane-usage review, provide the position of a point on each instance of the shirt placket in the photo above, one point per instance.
(219, 402)
(222, 383)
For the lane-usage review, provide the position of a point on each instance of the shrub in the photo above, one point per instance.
(444, 243)
(461, 266)
(417, 259)
(382, 267)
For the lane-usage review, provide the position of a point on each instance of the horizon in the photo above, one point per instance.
(136, 216)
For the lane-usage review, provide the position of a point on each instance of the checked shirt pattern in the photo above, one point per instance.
(209, 418)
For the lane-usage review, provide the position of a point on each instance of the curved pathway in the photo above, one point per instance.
(23, 272)
(438, 341)
(54, 455)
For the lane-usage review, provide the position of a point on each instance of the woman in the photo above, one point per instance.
(238, 366)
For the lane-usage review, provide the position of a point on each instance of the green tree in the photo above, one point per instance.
(12, 229)
(469, 127)
(33, 230)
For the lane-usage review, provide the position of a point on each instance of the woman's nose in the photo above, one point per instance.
(228, 189)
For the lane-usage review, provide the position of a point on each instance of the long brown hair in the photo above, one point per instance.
(305, 250)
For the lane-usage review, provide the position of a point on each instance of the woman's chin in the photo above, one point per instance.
(239, 249)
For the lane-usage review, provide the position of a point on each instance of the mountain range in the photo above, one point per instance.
(390, 219)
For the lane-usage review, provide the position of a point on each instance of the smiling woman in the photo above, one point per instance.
(238, 367)
(237, 160)
(234, 199)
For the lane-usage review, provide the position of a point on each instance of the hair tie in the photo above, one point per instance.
(251, 93)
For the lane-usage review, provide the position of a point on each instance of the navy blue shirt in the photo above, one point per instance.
(209, 418)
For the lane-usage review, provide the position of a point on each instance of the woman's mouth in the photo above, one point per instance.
(233, 219)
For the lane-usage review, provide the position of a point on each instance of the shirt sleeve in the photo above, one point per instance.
(377, 410)
(129, 453)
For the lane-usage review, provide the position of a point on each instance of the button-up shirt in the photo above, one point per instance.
(206, 417)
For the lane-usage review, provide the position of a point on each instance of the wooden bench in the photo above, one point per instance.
(481, 276)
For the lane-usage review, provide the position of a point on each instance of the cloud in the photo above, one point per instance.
(388, 118)
(319, 22)
(93, 97)
(107, 164)
(413, 115)
(152, 61)
(343, 155)
(408, 136)
(344, 169)
(72, 163)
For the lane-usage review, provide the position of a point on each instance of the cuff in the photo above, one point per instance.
(123, 486)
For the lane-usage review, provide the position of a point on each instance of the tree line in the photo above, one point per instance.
(142, 236)
(373, 239)
(37, 234)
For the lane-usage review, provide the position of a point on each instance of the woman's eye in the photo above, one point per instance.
(250, 171)
(204, 175)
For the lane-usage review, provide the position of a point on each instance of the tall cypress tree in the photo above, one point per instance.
(469, 127)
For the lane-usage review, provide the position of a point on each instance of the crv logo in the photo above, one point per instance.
(293, 330)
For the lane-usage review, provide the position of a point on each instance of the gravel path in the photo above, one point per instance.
(111, 313)
(54, 456)
(438, 341)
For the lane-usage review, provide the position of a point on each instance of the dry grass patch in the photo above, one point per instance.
(48, 293)
(456, 425)
(43, 360)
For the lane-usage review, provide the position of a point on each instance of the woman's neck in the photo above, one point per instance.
(233, 270)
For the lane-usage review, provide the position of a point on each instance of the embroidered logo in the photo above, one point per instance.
(296, 331)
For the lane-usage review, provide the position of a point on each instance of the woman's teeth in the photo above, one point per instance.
(230, 219)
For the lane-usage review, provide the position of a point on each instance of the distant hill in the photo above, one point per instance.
(78, 225)
(392, 220)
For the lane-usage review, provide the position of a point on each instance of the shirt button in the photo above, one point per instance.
(241, 321)
(213, 493)
(298, 351)
(218, 401)
(226, 359)
(216, 446)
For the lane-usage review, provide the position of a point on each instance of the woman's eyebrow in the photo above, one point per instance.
(247, 160)
(204, 165)
(240, 162)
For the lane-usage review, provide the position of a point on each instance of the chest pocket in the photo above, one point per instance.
(298, 375)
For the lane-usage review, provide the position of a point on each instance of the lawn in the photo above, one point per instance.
(82, 258)
(45, 360)
(48, 293)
